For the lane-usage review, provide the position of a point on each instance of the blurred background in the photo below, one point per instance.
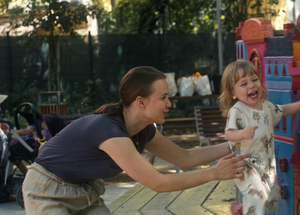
(75, 52)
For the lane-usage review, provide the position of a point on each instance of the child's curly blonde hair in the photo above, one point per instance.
(232, 74)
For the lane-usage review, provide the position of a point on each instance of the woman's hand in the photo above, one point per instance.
(230, 167)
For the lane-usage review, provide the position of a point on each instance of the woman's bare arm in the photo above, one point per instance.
(124, 153)
(167, 150)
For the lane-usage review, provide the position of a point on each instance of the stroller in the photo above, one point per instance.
(22, 148)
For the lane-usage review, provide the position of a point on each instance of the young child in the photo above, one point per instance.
(249, 129)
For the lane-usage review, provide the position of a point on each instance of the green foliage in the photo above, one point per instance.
(4, 6)
(11, 117)
(92, 98)
(234, 12)
(271, 11)
(51, 19)
(190, 16)
(22, 92)
(54, 17)
(185, 16)
(238, 10)
(167, 16)
(128, 17)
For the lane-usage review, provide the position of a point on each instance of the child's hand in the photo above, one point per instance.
(248, 132)
(29, 129)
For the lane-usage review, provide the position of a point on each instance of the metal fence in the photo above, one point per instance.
(92, 67)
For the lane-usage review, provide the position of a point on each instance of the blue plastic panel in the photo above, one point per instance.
(286, 206)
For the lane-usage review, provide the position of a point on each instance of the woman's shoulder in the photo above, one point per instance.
(98, 127)
(97, 123)
(102, 118)
(105, 122)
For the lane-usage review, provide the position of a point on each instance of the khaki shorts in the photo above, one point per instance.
(44, 193)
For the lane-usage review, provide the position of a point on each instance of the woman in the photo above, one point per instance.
(65, 178)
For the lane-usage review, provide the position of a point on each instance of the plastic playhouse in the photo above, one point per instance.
(277, 58)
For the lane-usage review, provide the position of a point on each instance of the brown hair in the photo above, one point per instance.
(230, 77)
(137, 82)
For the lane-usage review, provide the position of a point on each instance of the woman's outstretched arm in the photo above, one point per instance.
(124, 153)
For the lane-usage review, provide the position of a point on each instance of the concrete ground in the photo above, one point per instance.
(115, 190)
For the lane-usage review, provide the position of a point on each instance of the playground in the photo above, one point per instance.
(277, 59)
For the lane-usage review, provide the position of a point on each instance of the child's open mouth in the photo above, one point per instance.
(253, 94)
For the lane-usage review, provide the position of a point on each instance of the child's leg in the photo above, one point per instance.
(236, 208)
(273, 199)
(253, 205)
(254, 193)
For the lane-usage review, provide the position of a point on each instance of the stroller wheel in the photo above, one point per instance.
(19, 197)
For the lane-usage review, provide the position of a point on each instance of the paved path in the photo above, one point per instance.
(212, 198)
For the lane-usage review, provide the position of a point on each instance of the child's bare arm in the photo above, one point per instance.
(238, 135)
(290, 109)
